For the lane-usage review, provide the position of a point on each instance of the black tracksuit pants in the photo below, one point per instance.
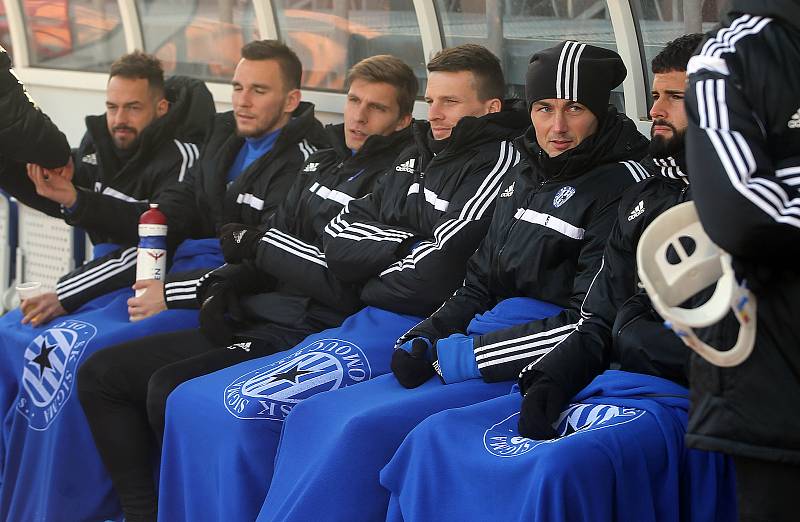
(123, 390)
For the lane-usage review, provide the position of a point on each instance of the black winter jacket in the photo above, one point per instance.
(743, 152)
(618, 322)
(112, 192)
(26, 134)
(546, 241)
(408, 241)
(290, 269)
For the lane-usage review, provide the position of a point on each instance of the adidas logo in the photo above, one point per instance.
(507, 193)
(794, 122)
(237, 236)
(408, 166)
(311, 167)
(91, 159)
(243, 346)
(637, 211)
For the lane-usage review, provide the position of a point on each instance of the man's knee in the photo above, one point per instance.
(94, 374)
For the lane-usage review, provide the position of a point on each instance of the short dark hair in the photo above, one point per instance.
(288, 61)
(675, 55)
(139, 65)
(476, 59)
(385, 68)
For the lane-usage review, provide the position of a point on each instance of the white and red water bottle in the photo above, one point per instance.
(151, 257)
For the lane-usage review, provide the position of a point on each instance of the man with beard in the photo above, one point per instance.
(26, 133)
(618, 447)
(132, 154)
(551, 220)
(743, 142)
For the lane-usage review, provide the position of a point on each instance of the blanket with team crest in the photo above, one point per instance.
(51, 470)
(619, 456)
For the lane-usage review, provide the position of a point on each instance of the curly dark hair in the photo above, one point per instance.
(675, 55)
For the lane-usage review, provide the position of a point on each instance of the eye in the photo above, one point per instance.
(258, 90)
(678, 97)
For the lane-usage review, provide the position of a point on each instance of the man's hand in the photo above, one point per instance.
(218, 300)
(238, 242)
(150, 302)
(41, 309)
(544, 400)
(55, 184)
(411, 362)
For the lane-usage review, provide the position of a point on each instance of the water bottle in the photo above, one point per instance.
(151, 257)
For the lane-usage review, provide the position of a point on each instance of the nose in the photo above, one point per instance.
(434, 112)
(361, 114)
(242, 99)
(559, 122)
(658, 111)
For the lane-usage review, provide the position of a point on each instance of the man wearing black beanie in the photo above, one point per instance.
(521, 295)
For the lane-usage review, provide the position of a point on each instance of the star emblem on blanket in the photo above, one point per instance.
(43, 359)
(291, 375)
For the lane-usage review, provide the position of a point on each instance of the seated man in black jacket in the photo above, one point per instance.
(26, 134)
(130, 155)
(622, 437)
(377, 113)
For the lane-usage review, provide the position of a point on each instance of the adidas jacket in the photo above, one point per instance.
(617, 320)
(26, 134)
(743, 143)
(408, 242)
(112, 192)
(290, 269)
(546, 240)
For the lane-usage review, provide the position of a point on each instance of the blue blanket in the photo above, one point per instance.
(223, 470)
(334, 445)
(620, 456)
(52, 471)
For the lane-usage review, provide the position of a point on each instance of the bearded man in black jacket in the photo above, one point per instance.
(130, 155)
(544, 243)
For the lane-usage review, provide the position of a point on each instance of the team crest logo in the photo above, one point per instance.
(563, 194)
(49, 372)
(503, 440)
(271, 391)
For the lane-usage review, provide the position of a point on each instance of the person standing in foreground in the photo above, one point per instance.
(743, 153)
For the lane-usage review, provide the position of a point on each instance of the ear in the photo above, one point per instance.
(162, 107)
(494, 105)
(403, 122)
(292, 101)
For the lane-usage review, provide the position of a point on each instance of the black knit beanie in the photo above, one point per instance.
(574, 71)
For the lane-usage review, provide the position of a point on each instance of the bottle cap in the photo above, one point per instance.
(153, 216)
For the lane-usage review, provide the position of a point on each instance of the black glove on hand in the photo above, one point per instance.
(219, 299)
(239, 242)
(411, 362)
(541, 406)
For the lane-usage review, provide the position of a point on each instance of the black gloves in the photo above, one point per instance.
(239, 242)
(411, 362)
(543, 402)
(218, 299)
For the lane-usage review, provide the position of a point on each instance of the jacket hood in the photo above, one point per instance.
(190, 117)
(786, 10)
(375, 144)
(473, 131)
(303, 126)
(616, 139)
